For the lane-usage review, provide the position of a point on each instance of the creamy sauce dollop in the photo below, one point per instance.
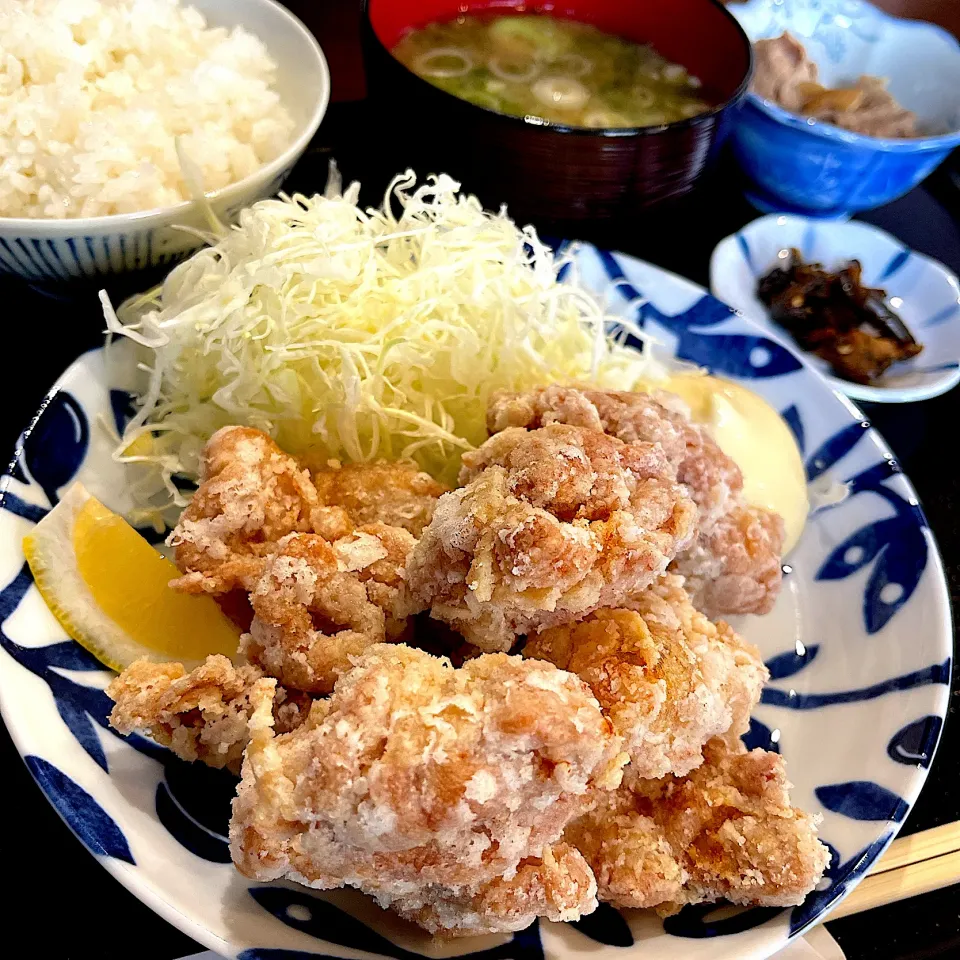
(752, 433)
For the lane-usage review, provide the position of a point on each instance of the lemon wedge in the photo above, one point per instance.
(143, 446)
(109, 589)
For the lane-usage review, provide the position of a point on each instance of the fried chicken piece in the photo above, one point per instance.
(735, 568)
(713, 478)
(667, 678)
(436, 790)
(552, 523)
(395, 493)
(251, 494)
(727, 831)
(741, 555)
(201, 715)
(318, 604)
(558, 885)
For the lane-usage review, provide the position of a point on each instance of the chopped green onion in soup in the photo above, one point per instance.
(557, 70)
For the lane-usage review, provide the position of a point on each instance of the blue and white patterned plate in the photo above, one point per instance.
(858, 648)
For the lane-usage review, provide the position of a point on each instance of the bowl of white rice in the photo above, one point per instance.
(123, 123)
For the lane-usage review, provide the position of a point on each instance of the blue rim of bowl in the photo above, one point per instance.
(940, 141)
(689, 122)
(269, 170)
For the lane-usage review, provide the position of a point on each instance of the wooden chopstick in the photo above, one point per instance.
(919, 846)
(911, 866)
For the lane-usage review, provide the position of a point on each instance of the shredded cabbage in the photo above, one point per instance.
(358, 334)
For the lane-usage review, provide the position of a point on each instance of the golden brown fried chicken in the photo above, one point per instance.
(558, 885)
(734, 564)
(395, 493)
(200, 715)
(318, 604)
(668, 679)
(735, 567)
(439, 791)
(713, 478)
(551, 524)
(251, 494)
(727, 831)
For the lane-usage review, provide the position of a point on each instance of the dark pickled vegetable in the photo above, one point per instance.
(835, 316)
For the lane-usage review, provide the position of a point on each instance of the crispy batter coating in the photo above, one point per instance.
(201, 715)
(430, 787)
(317, 604)
(551, 524)
(734, 565)
(630, 416)
(251, 494)
(726, 831)
(713, 478)
(558, 885)
(395, 493)
(668, 678)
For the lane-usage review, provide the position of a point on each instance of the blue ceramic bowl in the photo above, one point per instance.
(799, 165)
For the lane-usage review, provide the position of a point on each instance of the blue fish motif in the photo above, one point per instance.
(734, 354)
(605, 925)
(896, 546)
(914, 744)
(832, 451)
(792, 418)
(760, 736)
(325, 921)
(789, 664)
(859, 550)
(85, 817)
(794, 700)
(54, 449)
(699, 921)
(862, 800)
(895, 576)
(838, 876)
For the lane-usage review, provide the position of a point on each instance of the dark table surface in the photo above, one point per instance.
(71, 908)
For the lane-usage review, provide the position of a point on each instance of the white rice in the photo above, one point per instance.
(94, 93)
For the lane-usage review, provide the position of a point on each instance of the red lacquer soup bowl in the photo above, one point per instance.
(550, 173)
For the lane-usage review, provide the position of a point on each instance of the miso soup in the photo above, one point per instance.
(560, 71)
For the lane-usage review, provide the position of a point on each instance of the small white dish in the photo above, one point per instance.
(921, 290)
